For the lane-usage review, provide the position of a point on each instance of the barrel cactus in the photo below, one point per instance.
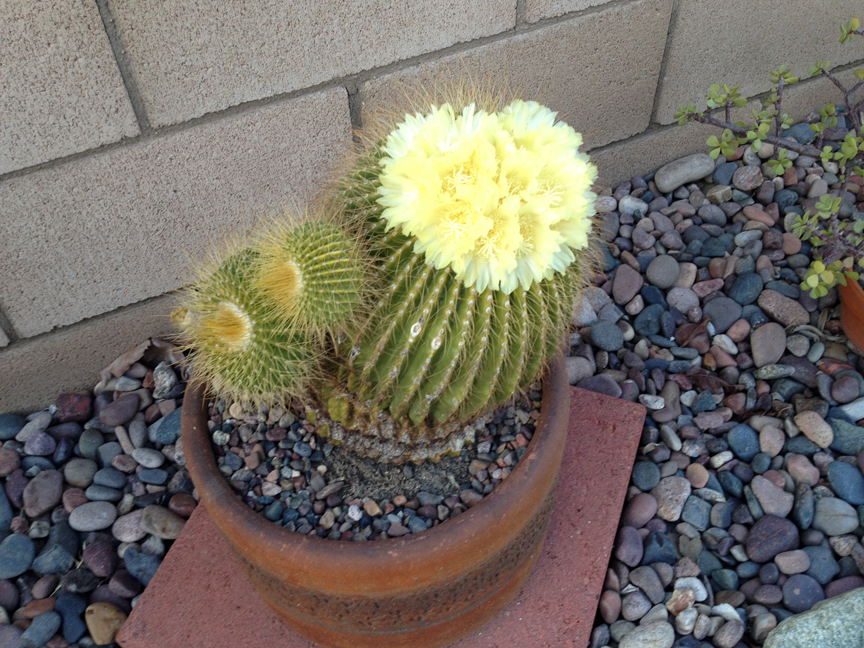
(473, 220)
(441, 282)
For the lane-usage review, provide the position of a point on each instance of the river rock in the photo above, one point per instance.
(163, 523)
(626, 284)
(847, 482)
(801, 592)
(815, 428)
(833, 623)
(770, 536)
(43, 493)
(767, 344)
(663, 271)
(104, 622)
(93, 516)
(723, 313)
(127, 528)
(834, 517)
(16, 555)
(671, 494)
(79, 472)
(683, 170)
(783, 309)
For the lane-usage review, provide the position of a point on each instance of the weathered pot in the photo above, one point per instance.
(424, 590)
(852, 312)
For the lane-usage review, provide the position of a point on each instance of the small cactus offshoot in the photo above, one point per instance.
(238, 345)
(312, 274)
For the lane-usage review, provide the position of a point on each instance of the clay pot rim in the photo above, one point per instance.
(852, 311)
(236, 519)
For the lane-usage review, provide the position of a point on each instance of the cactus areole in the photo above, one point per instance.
(444, 285)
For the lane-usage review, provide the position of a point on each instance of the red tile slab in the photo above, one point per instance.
(199, 598)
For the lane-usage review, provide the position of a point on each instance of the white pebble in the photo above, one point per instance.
(693, 583)
(652, 402)
(725, 343)
(727, 612)
(721, 458)
(689, 397)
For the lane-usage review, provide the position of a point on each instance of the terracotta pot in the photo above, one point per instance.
(424, 590)
(852, 312)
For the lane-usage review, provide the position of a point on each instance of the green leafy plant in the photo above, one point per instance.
(839, 241)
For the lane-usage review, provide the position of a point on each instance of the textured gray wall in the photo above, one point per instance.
(132, 134)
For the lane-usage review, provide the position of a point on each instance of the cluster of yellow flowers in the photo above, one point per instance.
(501, 198)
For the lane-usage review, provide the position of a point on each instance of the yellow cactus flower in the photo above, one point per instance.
(503, 199)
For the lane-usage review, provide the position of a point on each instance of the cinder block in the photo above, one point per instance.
(35, 371)
(194, 58)
(118, 227)
(62, 91)
(602, 85)
(536, 10)
(649, 151)
(739, 42)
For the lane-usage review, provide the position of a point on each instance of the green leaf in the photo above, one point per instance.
(712, 141)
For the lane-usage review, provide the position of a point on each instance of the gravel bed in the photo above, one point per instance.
(94, 493)
(747, 495)
(282, 468)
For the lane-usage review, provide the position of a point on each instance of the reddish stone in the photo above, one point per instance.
(73, 498)
(556, 607)
(10, 461)
(74, 407)
(843, 585)
(183, 504)
(37, 607)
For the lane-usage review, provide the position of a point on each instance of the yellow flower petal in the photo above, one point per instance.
(502, 199)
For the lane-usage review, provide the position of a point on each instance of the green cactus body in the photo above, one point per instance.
(313, 274)
(244, 352)
(435, 355)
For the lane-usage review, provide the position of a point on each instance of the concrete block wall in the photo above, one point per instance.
(133, 134)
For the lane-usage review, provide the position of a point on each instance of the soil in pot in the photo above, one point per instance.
(281, 468)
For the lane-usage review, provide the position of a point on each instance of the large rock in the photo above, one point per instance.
(657, 634)
(626, 284)
(767, 344)
(783, 309)
(833, 517)
(833, 623)
(770, 536)
(683, 170)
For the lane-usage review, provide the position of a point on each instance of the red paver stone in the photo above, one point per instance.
(199, 598)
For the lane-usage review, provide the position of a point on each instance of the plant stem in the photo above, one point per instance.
(790, 144)
(778, 118)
